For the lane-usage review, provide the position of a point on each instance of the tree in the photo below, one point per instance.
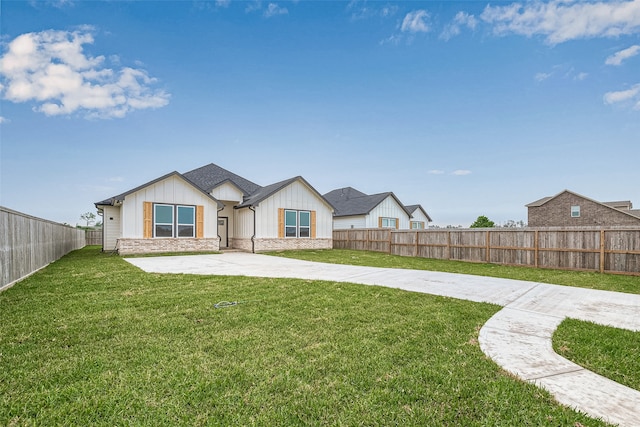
(483, 222)
(89, 217)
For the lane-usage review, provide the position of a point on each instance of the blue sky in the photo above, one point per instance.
(468, 108)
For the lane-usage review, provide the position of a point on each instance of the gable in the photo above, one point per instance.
(228, 191)
(557, 211)
(389, 207)
(173, 190)
(296, 194)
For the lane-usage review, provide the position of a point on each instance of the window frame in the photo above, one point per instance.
(178, 233)
(419, 224)
(389, 222)
(176, 221)
(156, 223)
(297, 227)
(575, 211)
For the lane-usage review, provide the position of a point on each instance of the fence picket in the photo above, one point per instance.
(607, 250)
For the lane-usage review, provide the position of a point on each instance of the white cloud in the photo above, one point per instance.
(623, 96)
(462, 19)
(581, 76)
(3, 120)
(273, 10)
(563, 20)
(51, 69)
(618, 57)
(415, 22)
(540, 77)
(461, 172)
(563, 71)
(436, 172)
(223, 3)
(362, 10)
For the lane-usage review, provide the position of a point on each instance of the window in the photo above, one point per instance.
(163, 221)
(575, 211)
(388, 223)
(297, 223)
(417, 225)
(186, 221)
(174, 221)
(305, 224)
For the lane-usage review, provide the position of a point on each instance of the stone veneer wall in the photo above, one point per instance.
(145, 246)
(262, 245)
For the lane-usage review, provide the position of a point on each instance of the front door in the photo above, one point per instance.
(223, 231)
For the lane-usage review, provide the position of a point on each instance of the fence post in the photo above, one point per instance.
(416, 250)
(536, 245)
(449, 245)
(390, 239)
(601, 251)
(487, 243)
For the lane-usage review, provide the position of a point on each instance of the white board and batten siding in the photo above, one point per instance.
(354, 221)
(297, 196)
(228, 192)
(388, 208)
(112, 228)
(418, 215)
(172, 190)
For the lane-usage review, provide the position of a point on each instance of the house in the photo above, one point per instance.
(211, 208)
(419, 217)
(569, 209)
(354, 209)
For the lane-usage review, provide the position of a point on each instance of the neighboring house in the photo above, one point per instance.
(354, 209)
(568, 209)
(420, 219)
(211, 208)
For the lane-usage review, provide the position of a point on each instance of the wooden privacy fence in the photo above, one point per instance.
(615, 250)
(94, 237)
(28, 244)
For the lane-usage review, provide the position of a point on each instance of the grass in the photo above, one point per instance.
(92, 340)
(611, 352)
(582, 279)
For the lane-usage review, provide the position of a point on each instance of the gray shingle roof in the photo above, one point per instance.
(413, 208)
(210, 176)
(349, 201)
(539, 202)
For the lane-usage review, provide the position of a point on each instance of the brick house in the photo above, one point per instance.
(569, 209)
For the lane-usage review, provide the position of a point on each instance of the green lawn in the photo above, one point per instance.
(92, 340)
(582, 279)
(611, 352)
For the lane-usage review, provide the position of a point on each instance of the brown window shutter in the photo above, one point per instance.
(281, 223)
(379, 222)
(199, 222)
(397, 223)
(147, 217)
(313, 224)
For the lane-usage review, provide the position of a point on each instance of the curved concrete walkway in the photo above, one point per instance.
(518, 337)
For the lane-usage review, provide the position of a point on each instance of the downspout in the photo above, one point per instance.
(253, 238)
(218, 228)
